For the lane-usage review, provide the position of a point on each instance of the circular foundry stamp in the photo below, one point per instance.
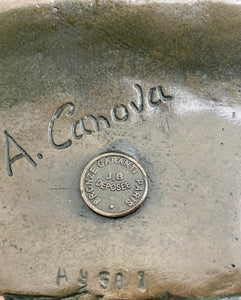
(113, 184)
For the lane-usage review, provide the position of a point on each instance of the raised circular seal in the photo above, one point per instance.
(113, 184)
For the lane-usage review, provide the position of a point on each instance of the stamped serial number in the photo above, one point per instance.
(104, 280)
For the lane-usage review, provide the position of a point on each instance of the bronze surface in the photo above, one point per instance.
(156, 80)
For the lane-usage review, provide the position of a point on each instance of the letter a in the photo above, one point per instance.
(22, 154)
(61, 276)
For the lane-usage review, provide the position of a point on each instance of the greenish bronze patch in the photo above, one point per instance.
(67, 48)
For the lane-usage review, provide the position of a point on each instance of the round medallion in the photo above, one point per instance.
(113, 184)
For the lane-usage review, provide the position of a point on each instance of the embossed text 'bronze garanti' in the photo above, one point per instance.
(113, 184)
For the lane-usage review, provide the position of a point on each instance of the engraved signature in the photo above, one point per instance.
(119, 114)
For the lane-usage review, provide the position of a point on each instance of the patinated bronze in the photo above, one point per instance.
(156, 83)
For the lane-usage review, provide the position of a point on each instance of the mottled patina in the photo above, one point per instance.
(159, 81)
